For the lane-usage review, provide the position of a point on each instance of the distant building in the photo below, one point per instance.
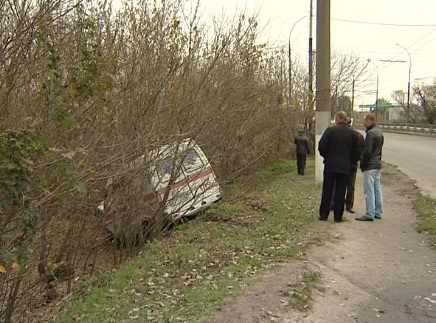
(384, 111)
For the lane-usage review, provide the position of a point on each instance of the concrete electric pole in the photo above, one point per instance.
(310, 85)
(323, 93)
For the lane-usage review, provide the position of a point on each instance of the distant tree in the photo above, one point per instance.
(416, 111)
(342, 103)
(382, 101)
(427, 101)
(382, 113)
(399, 97)
(346, 70)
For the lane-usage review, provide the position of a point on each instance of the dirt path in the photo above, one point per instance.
(379, 271)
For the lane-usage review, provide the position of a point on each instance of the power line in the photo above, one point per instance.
(392, 60)
(382, 23)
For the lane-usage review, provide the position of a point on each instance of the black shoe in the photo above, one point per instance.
(364, 218)
(322, 219)
(339, 221)
(377, 217)
(349, 209)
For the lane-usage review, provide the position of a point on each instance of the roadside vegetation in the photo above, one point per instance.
(86, 89)
(301, 293)
(426, 208)
(264, 219)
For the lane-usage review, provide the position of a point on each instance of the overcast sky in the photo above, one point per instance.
(368, 28)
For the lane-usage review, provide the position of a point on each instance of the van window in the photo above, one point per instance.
(191, 157)
(165, 166)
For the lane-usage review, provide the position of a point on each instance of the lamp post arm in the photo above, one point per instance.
(289, 58)
(408, 82)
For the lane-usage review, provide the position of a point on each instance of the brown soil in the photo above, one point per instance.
(381, 271)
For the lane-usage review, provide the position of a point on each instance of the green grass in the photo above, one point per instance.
(202, 263)
(426, 209)
(301, 292)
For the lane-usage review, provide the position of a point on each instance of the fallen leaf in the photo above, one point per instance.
(15, 266)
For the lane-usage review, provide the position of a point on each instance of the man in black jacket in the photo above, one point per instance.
(349, 196)
(302, 149)
(340, 149)
(351, 180)
(370, 164)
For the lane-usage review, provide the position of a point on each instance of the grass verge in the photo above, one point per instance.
(300, 293)
(261, 222)
(426, 209)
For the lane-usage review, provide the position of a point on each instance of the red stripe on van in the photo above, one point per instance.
(189, 179)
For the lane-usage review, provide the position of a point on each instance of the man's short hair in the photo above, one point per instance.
(370, 117)
(341, 116)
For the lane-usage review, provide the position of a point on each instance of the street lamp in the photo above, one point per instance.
(376, 92)
(353, 83)
(289, 57)
(408, 82)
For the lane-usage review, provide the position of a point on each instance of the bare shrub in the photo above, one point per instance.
(99, 88)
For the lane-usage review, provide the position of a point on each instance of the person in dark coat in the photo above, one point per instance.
(351, 182)
(302, 149)
(340, 149)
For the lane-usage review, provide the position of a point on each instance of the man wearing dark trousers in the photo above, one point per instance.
(351, 182)
(302, 149)
(340, 149)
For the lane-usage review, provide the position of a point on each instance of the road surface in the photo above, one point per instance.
(415, 156)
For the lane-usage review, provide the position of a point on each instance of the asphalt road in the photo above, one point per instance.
(415, 156)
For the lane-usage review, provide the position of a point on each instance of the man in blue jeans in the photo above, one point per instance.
(370, 164)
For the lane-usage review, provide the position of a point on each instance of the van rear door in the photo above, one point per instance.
(186, 176)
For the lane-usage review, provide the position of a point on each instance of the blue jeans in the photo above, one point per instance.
(373, 193)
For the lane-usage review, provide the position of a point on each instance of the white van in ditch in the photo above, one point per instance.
(176, 178)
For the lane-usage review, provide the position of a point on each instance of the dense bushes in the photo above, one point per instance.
(83, 91)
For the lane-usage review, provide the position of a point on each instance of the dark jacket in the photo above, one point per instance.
(360, 141)
(372, 149)
(302, 145)
(340, 148)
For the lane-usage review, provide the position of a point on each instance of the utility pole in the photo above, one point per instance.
(352, 98)
(323, 93)
(353, 84)
(408, 83)
(310, 85)
(376, 92)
